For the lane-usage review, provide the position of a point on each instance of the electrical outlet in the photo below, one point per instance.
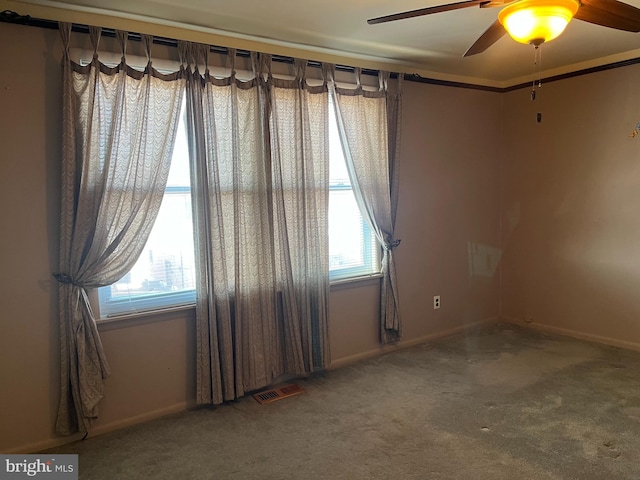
(436, 302)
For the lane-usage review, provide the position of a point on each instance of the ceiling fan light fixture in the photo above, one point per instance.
(537, 21)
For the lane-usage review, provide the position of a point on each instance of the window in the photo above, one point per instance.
(353, 249)
(164, 275)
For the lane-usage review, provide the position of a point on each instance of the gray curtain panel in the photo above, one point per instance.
(369, 127)
(260, 196)
(299, 145)
(119, 127)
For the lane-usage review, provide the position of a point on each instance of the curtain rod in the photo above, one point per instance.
(9, 16)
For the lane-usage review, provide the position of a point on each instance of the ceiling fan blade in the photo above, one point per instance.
(610, 13)
(496, 3)
(491, 35)
(426, 11)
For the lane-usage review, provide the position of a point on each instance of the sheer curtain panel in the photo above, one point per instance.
(299, 140)
(259, 184)
(119, 127)
(369, 127)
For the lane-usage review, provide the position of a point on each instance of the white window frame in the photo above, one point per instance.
(370, 243)
(108, 307)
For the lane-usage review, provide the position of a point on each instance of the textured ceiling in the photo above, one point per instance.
(430, 45)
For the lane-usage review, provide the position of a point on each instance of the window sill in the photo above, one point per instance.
(142, 317)
(355, 281)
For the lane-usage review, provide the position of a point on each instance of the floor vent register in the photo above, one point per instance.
(275, 394)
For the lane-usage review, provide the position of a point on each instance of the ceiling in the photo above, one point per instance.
(431, 46)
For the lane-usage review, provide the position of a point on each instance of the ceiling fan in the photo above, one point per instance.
(535, 21)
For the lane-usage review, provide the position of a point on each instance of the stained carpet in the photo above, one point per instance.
(496, 403)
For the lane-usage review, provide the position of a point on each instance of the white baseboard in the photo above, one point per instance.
(100, 429)
(137, 419)
(35, 447)
(183, 406)
(573, 334)
(384, 349)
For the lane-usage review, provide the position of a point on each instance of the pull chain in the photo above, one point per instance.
(537, 79)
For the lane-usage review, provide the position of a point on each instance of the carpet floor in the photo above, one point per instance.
(495, 403)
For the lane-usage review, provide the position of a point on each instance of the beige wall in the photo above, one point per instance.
(571, 191)
(449, 198)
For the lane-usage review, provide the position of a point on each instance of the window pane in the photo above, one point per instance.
(166, 263)
(353, 250)
(164, 275)
(352, 246)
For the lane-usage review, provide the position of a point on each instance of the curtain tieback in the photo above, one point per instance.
(391, 245)
(65, 278)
